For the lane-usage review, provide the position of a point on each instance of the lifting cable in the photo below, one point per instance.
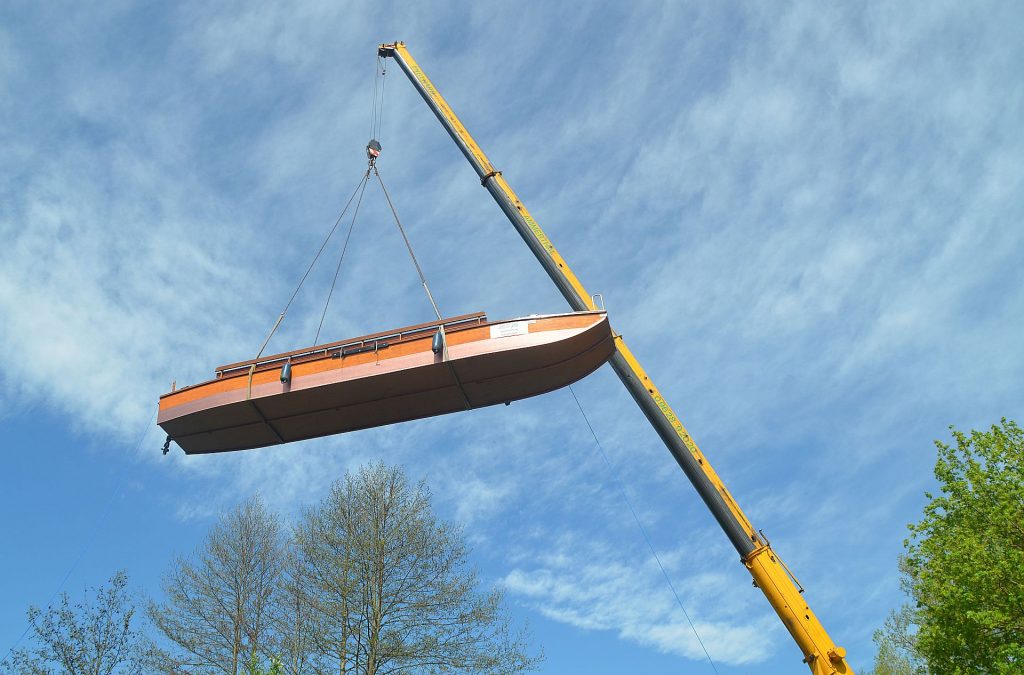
(361, 186)
(341, 259)
(357, 196)
(377, 109)
(643, 530)
(376, 120)
(408, 245)
(373, 103)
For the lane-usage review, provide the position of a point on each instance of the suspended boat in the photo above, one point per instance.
(414, 372)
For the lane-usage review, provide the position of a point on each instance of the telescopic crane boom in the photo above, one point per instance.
(769, 572)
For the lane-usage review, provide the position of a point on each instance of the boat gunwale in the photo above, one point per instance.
(457, 322)
(405, 334)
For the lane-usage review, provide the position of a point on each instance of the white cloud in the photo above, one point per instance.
(589, 586)
(103, 292)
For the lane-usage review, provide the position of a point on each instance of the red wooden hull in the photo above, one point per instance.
(384, 379)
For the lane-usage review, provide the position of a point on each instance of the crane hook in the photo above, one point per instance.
(373, 150)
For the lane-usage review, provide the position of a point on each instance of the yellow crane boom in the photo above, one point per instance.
(769, 572)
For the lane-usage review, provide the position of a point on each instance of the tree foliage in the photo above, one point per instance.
(370, 582)
(964, 566)
(92, 637)
(387, 588)
(217, 606)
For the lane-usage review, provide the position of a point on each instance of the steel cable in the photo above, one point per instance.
(408, 246)
(341, 258)
(360, 185)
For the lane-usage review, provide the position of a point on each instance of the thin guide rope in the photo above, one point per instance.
(643, 530)
(85, 546)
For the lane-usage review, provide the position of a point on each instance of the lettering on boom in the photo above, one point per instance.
(449, 114)
(539, 233)
(427, 84)
(676, 424)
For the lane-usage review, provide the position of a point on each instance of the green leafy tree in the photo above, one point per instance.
(94, 637)
(256, 668)
(964, 566)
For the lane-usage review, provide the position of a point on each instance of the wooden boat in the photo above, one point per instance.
(410, 373)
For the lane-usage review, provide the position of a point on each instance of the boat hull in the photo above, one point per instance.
(482, 365)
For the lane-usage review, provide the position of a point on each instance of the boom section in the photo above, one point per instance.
(768, 571)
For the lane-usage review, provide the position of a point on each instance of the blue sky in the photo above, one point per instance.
(806, 220)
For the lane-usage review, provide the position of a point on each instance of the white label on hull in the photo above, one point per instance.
(510, 329)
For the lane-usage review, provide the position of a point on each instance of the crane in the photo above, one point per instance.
(769, 572)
